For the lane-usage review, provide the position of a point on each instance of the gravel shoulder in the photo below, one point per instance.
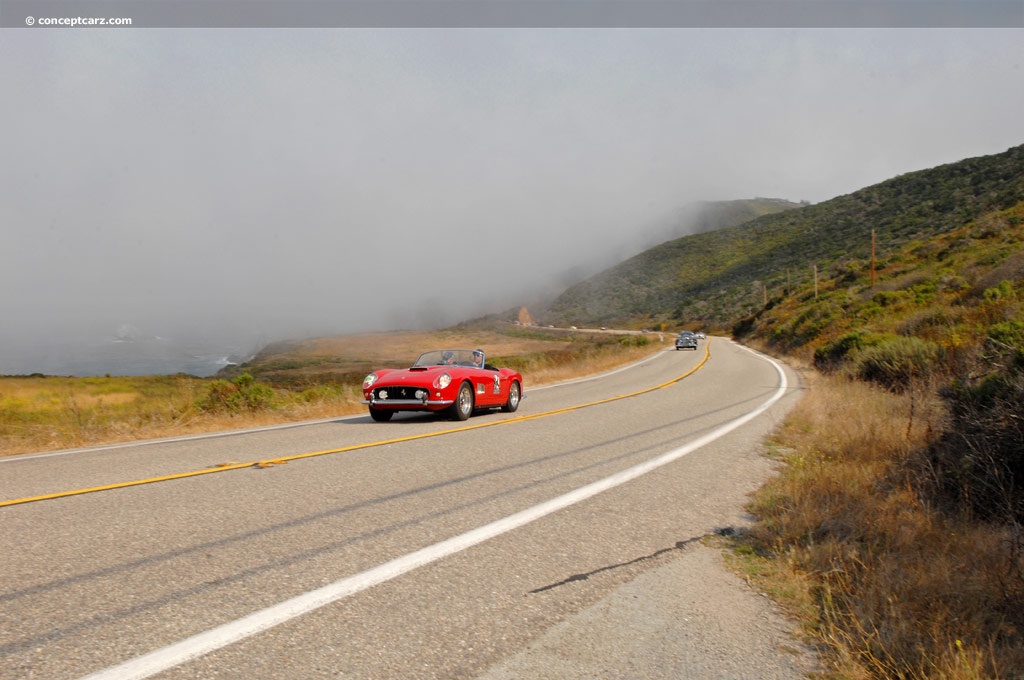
(690, 618)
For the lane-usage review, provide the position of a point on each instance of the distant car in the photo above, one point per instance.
(686, 340)
(455, 381)
(701, 336)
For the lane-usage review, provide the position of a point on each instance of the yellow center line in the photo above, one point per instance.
(268, 462)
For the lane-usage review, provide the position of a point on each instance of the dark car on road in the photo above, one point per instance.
(686, 340)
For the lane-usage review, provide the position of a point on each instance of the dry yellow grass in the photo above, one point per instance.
(889, 586)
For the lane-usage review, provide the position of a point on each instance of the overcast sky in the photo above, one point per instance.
(285, 183)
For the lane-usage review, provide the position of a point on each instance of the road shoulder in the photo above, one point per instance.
(689, 618)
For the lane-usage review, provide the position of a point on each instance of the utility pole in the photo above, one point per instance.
(872, 259)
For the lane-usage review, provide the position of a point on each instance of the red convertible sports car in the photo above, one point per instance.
(458, 381)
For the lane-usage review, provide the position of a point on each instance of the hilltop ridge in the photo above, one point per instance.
(713, 278)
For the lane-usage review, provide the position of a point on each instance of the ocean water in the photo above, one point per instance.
(122, 355)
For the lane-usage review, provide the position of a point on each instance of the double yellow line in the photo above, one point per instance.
(269, 462)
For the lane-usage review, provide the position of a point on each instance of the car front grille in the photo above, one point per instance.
(398, 393)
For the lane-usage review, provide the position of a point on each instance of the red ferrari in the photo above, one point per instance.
(458, 381)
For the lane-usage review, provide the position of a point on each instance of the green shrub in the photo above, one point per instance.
(890, 298)
(633, 341)
(242, 394)
(925, 292)
(1009, 334)
(831, 356)
(1004, 291)
(744, 327)
(897, 362)
(979, 461)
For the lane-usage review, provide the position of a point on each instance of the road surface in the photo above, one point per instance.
(419, 548)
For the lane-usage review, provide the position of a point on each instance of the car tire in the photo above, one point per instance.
(381, 416)
(514, 395)
(462, 409)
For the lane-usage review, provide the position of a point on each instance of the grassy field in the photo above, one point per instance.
(288, 382)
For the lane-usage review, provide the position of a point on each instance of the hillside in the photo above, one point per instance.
(902, 501)
(949, 289)
(693, 218)
(704, 216)
(711, 279)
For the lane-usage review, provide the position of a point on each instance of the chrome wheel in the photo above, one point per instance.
(513, 398)
(463, 407)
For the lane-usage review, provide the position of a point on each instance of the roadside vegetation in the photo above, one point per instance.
(896, 526)
(292, 382)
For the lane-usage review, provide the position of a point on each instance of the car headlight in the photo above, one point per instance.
(442, 381)
(369, 380)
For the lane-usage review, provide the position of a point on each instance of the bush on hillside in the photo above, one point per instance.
(831, 356)
(978, 462)
(896, 363)
(1009, 337)
(633, 341)
(242, 394)
(980, 459)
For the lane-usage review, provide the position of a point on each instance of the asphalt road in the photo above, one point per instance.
(400, 556)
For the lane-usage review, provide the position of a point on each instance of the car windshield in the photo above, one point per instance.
(451, 357)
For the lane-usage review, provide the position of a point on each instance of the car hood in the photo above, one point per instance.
(416, 374)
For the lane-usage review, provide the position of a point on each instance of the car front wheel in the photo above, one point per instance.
(463, 406)
(513, 398)
(381, 416)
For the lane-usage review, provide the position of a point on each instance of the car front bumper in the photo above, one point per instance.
(406, 403)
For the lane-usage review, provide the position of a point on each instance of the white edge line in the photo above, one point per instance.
(203, 643)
